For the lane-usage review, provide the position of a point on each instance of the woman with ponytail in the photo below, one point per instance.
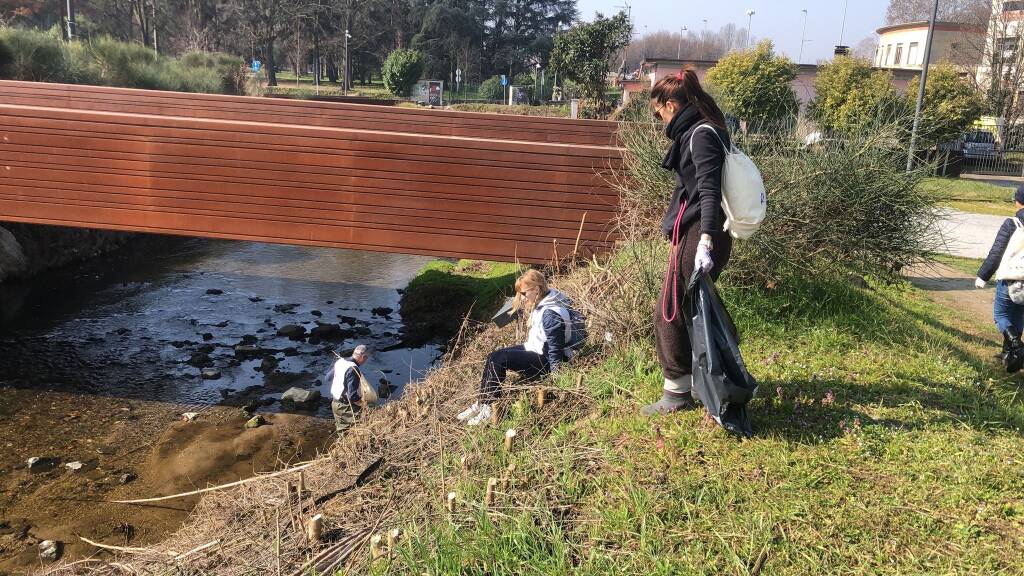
(693, 222)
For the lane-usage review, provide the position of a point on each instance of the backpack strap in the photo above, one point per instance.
(715, 132)
(564, 315)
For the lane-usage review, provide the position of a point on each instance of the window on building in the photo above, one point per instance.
(878, 52)
(899, 54)
(1013, 5)
(888, 52)
(912, 54)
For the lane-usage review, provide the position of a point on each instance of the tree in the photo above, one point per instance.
(521, 32)
(851, 96)
(583, 53)
(266, 21)
(711, 45)
(401, 71)
(449, 36)
(964, 11)
(755, 85)
(951, 104)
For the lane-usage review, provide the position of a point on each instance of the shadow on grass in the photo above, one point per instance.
(886, 316)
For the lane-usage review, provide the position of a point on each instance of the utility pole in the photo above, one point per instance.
(920, 89)
(679, 49)
(803, 35)
(645, 42)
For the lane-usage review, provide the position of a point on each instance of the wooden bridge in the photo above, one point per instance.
(298, 172)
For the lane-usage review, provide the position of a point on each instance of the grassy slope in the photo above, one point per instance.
(464, 287)
(971, 195)
(886, 443)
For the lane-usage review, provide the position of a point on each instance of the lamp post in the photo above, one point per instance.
(920, 89)
(842, 31)
(344, 89)
(704, 39)
(679, 48)
(803, 35)
(645, 41)
(538, 84)
(750, 18)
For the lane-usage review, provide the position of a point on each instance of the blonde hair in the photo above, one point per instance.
(530, 279)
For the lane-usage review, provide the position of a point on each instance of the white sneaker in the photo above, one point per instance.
(482, 416)
(469, 412)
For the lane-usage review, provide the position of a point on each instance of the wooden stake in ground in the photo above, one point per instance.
(451, 501)
(489, 497)
(464, 461)
(315, 528)
(510, 436)
(495, 414)
(393, 538)
(541, 396)
(375, 551)
(302, 483)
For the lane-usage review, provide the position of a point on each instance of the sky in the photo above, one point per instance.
(778, 20)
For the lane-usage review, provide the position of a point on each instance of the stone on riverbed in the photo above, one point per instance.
(292, 332)
(49, 550)
(37, 465)
(211, 374)
(300, 397)
(255, 422)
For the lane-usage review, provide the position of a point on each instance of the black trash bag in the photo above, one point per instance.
(720, 378)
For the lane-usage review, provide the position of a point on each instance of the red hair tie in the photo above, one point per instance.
(679, 76)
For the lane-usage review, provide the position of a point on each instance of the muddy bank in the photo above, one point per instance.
(126, 449)
(28, 249)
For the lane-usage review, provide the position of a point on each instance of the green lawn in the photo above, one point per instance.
(887, 442)
(971, 195)
(959, 263)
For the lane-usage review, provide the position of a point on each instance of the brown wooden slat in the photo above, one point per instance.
(419, 182)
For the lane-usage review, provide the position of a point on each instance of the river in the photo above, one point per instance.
(98, 360)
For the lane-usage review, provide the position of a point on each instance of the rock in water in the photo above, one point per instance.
(49, 550)
(255, 422)
(211, 374)
(298, 396)
(268, 365)
(382, 311)
(292, 332)
(126, 478)
(214, 291)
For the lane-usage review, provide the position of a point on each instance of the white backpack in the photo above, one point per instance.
(1011, 266)
(743, 195)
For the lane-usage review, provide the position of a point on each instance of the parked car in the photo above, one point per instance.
(980, 145)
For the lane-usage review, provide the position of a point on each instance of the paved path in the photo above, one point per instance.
(969, 235)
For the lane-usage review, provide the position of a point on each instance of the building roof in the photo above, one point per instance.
(941, 26)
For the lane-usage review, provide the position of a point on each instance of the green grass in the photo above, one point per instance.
(959, 263)
(971, 195)
(465, 287)
(886, 442)
(547, 110)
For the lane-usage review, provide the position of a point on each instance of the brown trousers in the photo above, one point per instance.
(672, 341)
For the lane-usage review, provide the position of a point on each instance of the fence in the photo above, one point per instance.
(987, 155)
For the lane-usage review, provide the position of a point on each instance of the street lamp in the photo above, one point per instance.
(704, 39)
(750, 17)
(537, 83)
(679, 49)
(803, 35)
(842, 31)
(645, 41)
(344, 89)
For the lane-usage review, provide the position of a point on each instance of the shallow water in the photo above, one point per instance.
(127, 324)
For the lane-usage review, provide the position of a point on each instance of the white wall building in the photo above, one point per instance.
(901, 46)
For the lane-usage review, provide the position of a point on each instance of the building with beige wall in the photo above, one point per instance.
(902, 46)
(653, 70)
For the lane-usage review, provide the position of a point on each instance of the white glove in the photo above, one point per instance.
(703, 261)
(979, 283)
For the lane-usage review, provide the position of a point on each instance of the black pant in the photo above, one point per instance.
(516, 358)
(672, 341)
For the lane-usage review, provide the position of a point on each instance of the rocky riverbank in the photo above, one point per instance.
(28, 249)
